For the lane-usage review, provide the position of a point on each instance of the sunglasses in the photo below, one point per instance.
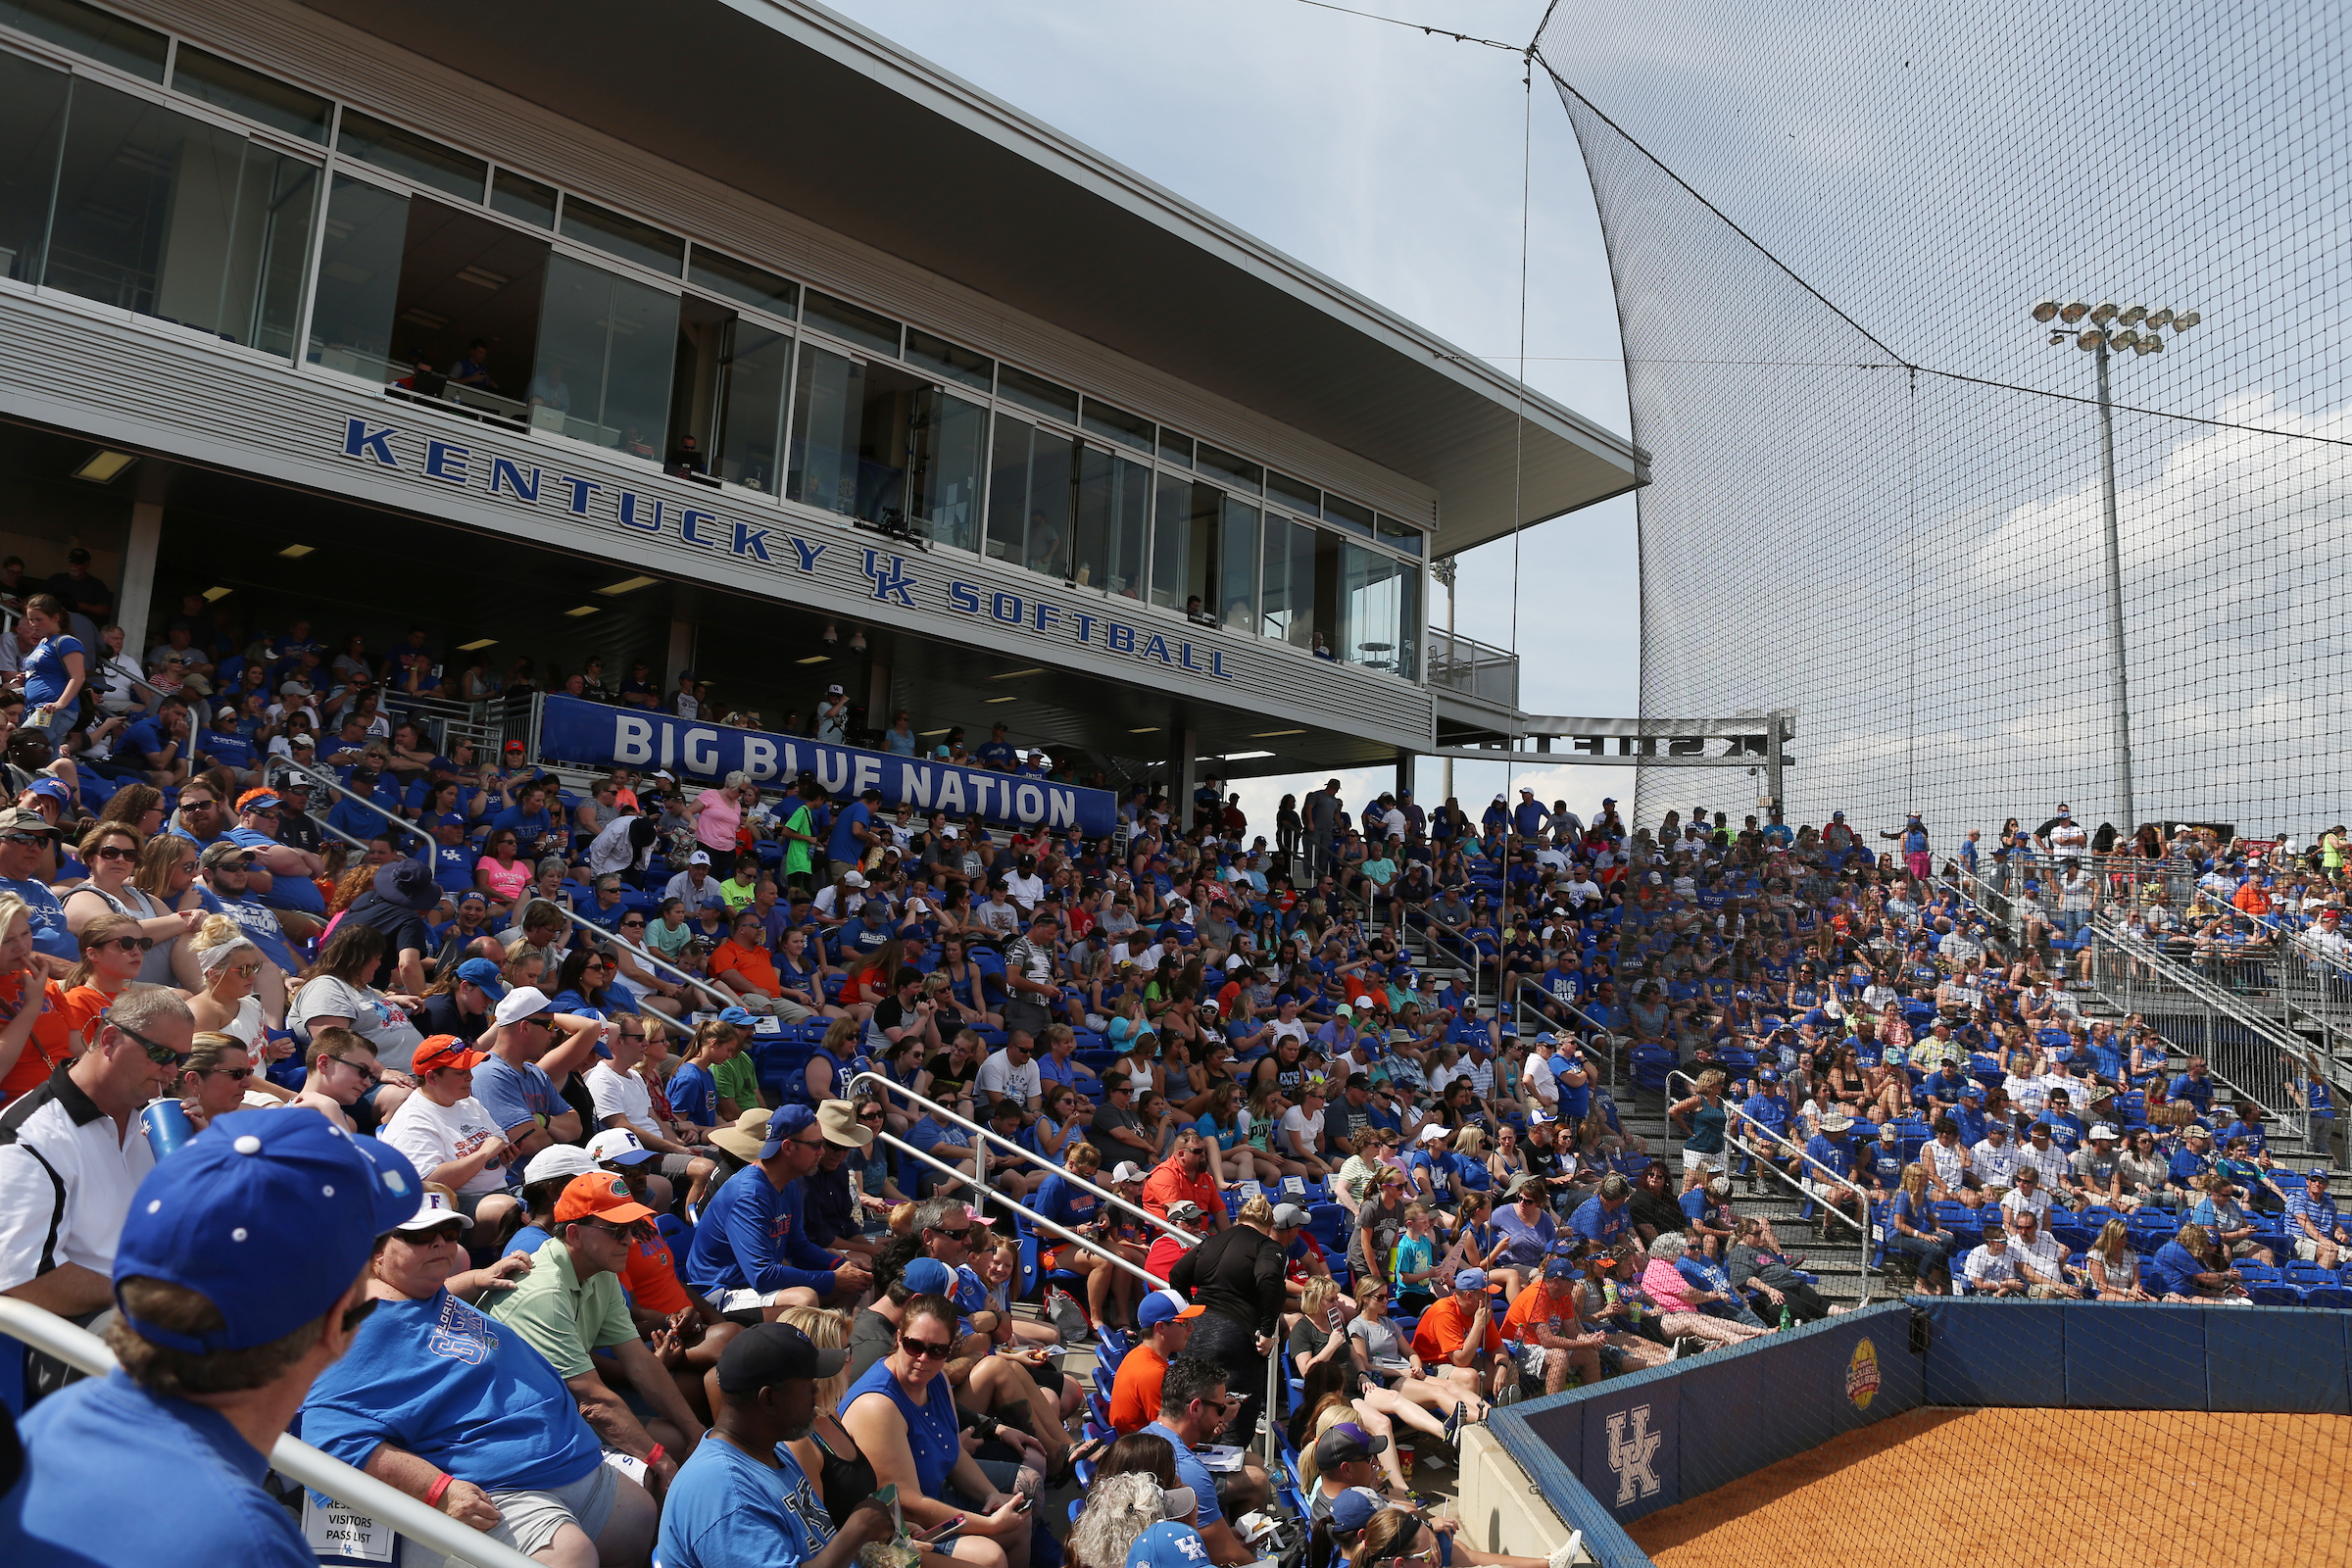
(371, 1074)
(161, 1055)
(127, 944)
(114, 852)
(238, 1073)
(938, 1351)
(440, 1233)
(871, 1115)
(627, 924)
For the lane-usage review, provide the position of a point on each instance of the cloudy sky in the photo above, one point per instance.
(1392, 161)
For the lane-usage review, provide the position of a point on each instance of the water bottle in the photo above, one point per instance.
(1787, 1318)
(167, 1126)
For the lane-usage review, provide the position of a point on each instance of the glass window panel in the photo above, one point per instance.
(1237, 572)
(743, 284)
(617, 235)
(945, 457)
(1295, 494)
(412, 157)
(950, 363)
(1174, 448)
(517, 197)
(225, 84)
(1171, 539)
(1029, 496)
(32, 122)
(852, 323)
(1356, 519)
(1395, 533)
(751, 411)
(359, 278)
(606, 349)
(1239, 472)
(1378, 616)
(827, 408)
(162, 213)
(1037, 394)
(1112, 516)
(88, 30)
(1287, 595)
(1117, 424)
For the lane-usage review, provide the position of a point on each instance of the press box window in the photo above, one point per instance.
(412, 157)
(87, 31)
(265, 100)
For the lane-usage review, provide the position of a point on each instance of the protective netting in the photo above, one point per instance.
(1840, 522)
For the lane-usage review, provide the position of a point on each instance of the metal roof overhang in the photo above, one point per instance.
(800, 108)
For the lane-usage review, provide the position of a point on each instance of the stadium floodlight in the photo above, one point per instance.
(2125, 339)
(2152, 344)
(2133, 315)
(2106, 313)
(2045, 310)
(2089, 340)
(2074, 312)
(2185, 319)
(2163, 317)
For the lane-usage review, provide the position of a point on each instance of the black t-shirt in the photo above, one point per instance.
(401, 927)
(443, 1017)
(1543, 1162)
(892, 1014)
(297, 829)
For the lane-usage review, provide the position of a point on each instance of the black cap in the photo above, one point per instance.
(768, 1354)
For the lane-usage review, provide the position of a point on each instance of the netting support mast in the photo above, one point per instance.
(2115, 600)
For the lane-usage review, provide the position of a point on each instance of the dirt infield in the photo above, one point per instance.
(2149, 1487)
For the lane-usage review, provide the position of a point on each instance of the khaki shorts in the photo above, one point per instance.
(528, 1520)
(2309, 1250)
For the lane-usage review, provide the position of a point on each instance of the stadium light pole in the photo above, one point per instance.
(2139, 329)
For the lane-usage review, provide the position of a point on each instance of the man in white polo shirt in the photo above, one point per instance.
(71, 1154)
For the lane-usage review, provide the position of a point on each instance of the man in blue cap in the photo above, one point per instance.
(751, 1241)
(238, 1279)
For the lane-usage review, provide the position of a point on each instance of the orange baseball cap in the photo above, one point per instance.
(442, 1051)
(599, 1195)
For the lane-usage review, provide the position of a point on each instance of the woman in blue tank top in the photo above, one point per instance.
(902, 1414)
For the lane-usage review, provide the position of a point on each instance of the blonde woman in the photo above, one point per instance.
(111, 850)
(1118, 1509)
(230, 963)
(2113, 1267)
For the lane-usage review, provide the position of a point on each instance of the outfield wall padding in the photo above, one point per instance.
(1607, 1455)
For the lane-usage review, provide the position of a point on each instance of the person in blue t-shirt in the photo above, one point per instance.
(997, 750)
(307, 1205)
(745, 1498)
(2192, 1268)
(536, 832)
(55, 671)
(1604, 1217)
(853, 834)
(157, 747)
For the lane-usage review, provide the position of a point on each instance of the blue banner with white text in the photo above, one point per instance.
(573, 730)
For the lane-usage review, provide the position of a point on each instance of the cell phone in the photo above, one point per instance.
(1020, 1503)
(937, 1531)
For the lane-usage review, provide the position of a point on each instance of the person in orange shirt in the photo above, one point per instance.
(742, 963)
(1168, 1318)
(1542, 1322)
(1184, 1177)
(113, 949)
(1461, 1333)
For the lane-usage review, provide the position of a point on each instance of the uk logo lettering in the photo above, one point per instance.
(1633, 1454)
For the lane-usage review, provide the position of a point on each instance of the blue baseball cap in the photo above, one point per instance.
(1560, 1268)
(928, 1276)
(1163, 1307)
(51, 788)
(483, 973)
(1353, 1510)
(259, 801)
(789, 1121)
(1169, 1543)
(740, 1017)
(268, 1215)
(1770, 1075)
(1473, 1279)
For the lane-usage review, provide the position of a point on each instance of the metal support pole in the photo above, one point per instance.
(1773, 762)
(2115, 600)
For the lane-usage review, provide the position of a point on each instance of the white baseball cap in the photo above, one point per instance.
(558, 1161)
(1128, 1171)
(434, 1211)
(698, 858)
(618, 1145)
(524, 1001)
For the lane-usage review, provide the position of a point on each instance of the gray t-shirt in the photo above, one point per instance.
(1385, 1225)
(2095, 1167)
(1381, 1341)
(871, 1336)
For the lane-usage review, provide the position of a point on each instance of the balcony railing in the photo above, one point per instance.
(1472, 669)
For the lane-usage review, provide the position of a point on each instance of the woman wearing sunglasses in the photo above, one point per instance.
(214, 1078)
(111, 850)
(232, 966)
(112, 951)
(902, 1415)
(23, 1060)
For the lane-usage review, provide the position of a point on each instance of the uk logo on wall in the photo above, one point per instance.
(1633, 1455)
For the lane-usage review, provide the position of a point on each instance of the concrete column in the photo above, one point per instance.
(681, 656)
(136, 600)
(1184, 774)
(877, 696)
(1404, 773)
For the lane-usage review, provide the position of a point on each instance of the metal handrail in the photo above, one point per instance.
(319, 778)
(890, 1086)
(323, 1473)
(2289, 1046)
(723, 999)
(1846, 1182)
(1034, 1219)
